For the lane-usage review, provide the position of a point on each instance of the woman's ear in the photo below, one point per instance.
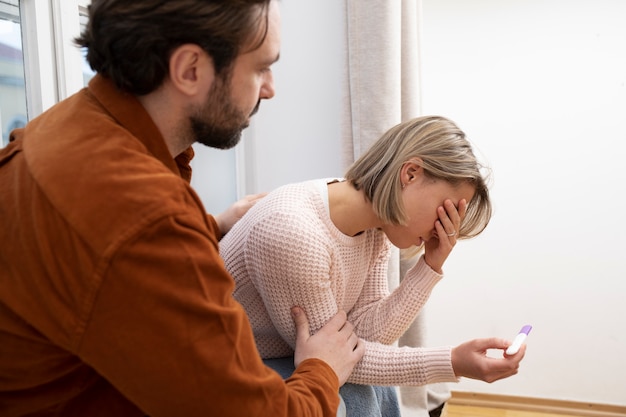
(191, 70)
(410, 171)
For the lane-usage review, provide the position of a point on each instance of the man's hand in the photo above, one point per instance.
(227, 219)
(335, 343)
(470, 360)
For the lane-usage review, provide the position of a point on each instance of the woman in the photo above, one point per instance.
(324, 245)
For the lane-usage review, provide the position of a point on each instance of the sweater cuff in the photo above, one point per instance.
(439, 365)
(427, 277)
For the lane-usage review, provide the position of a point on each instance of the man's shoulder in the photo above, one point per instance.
(97, 175)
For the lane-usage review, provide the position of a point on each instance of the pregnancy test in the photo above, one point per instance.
(519, 339)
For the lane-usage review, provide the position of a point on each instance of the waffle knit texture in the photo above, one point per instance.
(286, 251)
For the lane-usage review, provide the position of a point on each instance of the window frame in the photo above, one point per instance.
(52, 63)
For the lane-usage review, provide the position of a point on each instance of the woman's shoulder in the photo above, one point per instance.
(294, 208)
(299, 197)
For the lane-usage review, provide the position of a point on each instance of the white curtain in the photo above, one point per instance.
(382, 86)
(381, 90)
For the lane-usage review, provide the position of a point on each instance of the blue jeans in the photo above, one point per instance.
(358, 400)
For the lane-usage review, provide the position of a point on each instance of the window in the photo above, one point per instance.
(13, 113)
(39, 64)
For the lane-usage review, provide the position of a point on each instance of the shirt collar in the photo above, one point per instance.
(129, 113)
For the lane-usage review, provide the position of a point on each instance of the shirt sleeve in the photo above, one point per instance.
(166, 332)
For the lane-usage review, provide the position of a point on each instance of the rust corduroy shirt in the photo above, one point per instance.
(113, 298)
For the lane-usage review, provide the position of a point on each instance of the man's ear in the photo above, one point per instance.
(191, 70)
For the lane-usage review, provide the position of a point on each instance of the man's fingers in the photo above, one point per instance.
(253, 198)
(357, 343)
(301, 322)
(337, 322)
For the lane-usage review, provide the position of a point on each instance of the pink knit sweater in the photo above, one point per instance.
(286, 251)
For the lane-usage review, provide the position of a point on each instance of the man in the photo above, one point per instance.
(113, 298)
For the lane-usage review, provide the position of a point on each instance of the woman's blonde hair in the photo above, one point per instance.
(444, 153)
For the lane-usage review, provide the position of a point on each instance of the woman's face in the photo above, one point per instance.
(421, 199)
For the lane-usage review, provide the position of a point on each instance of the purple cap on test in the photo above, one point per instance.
(526, 329)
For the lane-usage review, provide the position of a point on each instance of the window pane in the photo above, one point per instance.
(12, 85)
(87, 71)
(9, 8)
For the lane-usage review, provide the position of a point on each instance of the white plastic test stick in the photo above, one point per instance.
(519, 339)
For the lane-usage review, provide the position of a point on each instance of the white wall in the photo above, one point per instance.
(295, 136)
(540, 88)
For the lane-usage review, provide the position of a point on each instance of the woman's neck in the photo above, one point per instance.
(350, 211)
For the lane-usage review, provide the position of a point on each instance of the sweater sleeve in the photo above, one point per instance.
(289, 263)
(383, 317)
(404, 366)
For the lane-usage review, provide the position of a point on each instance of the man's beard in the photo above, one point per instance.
(218, 123)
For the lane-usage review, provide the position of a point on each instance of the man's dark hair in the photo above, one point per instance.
(130, 41)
